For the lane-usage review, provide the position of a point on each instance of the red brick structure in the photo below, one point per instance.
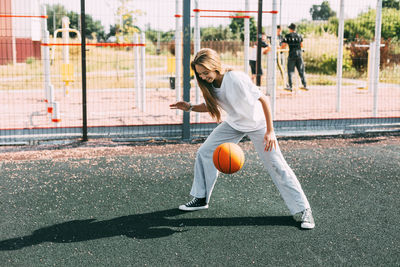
(19, 29)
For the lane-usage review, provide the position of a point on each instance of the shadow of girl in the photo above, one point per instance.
(141, 226)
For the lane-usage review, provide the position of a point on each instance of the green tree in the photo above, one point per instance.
(126, 16)
(391, 4)
(363, 27)
(152, 35)
(332, 26)
(57, 12)
(305, 27)
(94, 28)
(212, 33)
(237, 28)
(322, 12)
(112, 31)
(390, 24)
(54, 16)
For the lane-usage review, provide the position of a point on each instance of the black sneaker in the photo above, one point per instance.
(195, 204)
(287, 88)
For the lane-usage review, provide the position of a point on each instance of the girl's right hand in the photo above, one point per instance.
(270, 141)
(182, 105)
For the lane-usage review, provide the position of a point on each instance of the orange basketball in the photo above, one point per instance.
(228, 158)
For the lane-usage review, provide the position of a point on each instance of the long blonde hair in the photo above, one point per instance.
(209, 59)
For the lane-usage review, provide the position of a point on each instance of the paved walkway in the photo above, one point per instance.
(115, 107)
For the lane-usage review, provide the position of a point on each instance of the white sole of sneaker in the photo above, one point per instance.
(307, 225)
(185, 208)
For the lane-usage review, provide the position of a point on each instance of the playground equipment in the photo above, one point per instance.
(48, 87)
(281, 58)
(171, 68)
(67, 69)
(370, 65)
(140, 70)
(55, 115)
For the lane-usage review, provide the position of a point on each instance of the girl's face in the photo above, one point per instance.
(205, 74)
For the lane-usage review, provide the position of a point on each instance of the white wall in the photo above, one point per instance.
(26, 27)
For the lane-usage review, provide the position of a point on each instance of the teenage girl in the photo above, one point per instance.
(249, 114)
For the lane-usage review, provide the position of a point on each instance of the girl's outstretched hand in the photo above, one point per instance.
(270, 141)
(180, 105)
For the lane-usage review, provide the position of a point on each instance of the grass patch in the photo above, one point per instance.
(324, 80)
(390, 75)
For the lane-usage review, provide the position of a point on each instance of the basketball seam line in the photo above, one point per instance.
(219, 164)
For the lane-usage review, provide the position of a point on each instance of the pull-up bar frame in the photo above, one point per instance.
(233, 11)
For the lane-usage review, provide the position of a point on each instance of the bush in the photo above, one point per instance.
(326, 64)
(30, 60)
(359, 55)
(151, 48)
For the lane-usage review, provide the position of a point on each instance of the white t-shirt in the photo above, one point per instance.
(253, 53)
(238, 96)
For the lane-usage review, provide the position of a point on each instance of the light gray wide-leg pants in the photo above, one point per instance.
(205, 173)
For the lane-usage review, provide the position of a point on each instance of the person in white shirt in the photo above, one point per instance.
(249, 114)
(265, 48)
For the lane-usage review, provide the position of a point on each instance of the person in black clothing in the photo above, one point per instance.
(295, 59)
(279, 39)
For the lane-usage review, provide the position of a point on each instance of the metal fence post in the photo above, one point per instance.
(178, 51)
(186, 67)
(83, 53)
(197, 42)
(259, 36)
(271, 70)
(143, 70)
(339, 66)
(378, 26)
(246, 37)
(138, 94)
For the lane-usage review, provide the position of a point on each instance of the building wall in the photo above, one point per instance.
(25, 31)
(5, 33)
(26, 48)
(26, 27)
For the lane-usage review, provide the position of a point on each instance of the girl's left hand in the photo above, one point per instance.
(270, 141)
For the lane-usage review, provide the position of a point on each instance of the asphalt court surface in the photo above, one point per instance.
(102, 204)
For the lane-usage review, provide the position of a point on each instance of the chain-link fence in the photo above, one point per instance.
(132, 75)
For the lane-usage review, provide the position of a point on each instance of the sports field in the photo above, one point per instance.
(103, 203)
